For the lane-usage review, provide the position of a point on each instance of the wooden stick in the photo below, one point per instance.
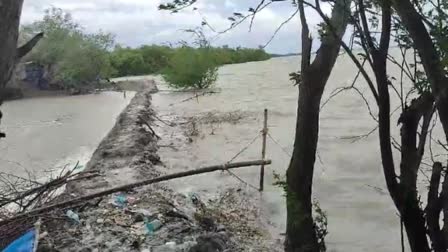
(263, 148)
(127, 187)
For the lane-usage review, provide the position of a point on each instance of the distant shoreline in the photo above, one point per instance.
(11, 94)
(274, 55)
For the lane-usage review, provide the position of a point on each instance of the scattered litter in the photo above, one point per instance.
(173, 247)
(194, 198)
(131, 200)
(73, 216)
(120, 200)
(171, 244)
(153, 226)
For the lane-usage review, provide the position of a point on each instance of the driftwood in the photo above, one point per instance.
(127, 187)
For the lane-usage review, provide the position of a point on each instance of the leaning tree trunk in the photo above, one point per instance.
(10, 11)
(300, 233)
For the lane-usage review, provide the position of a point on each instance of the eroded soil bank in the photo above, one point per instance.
(156, 217)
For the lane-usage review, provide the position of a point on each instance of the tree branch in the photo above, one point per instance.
(307, 41)
(26, 48)
(347, 50)
(365, 26)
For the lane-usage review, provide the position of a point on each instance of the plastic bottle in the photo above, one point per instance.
(73, 216)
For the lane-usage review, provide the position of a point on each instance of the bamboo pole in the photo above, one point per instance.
(127, 187)
(263, 148)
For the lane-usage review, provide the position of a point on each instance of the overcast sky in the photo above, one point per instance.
(137, 22)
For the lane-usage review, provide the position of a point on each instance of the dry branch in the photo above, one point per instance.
(127, 187)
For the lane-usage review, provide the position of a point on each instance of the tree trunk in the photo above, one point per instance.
(414, 223)
(10, 11)
(301, 236)
(300, 232)
(434, 208)
(411, 213)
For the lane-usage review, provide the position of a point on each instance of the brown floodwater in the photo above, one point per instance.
(349, 183)
(48, 133)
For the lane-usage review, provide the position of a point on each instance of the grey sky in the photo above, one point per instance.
(137, 22)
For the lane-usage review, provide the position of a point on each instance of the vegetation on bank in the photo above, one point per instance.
(73, 58)
(70, 56)
(152, 59)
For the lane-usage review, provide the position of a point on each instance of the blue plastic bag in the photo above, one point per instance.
(25, 243)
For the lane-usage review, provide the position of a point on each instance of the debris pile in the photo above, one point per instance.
(152, 219)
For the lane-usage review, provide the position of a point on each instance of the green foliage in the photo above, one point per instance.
(184, 67)
(74, 57)
(320, 225)
(127, 61)
(154, 59)
(191, 68)
(225, 55)
(435, 16)
(144, 60)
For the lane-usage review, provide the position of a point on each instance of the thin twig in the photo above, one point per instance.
(280, 27)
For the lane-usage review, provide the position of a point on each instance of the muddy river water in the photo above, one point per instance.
(349, 181)
(51, 132)
(48, 133)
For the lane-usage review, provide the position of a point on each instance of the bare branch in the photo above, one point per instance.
(365, 26)
(255, 12)
(337, 91)
(281, 26)
(307, 41)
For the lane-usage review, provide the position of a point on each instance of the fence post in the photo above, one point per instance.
(263, 148)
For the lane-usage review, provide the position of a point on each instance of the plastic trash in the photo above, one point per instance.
(171, 244)
(73, 216)
(153, 226)
(25, 243)
(195, 198)
(131, 200)
(120, 200)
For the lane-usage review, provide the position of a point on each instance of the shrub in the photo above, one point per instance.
(191, 68)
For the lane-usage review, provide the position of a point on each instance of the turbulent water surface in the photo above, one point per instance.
(349, 180)
(45, 134)
(51, 132)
